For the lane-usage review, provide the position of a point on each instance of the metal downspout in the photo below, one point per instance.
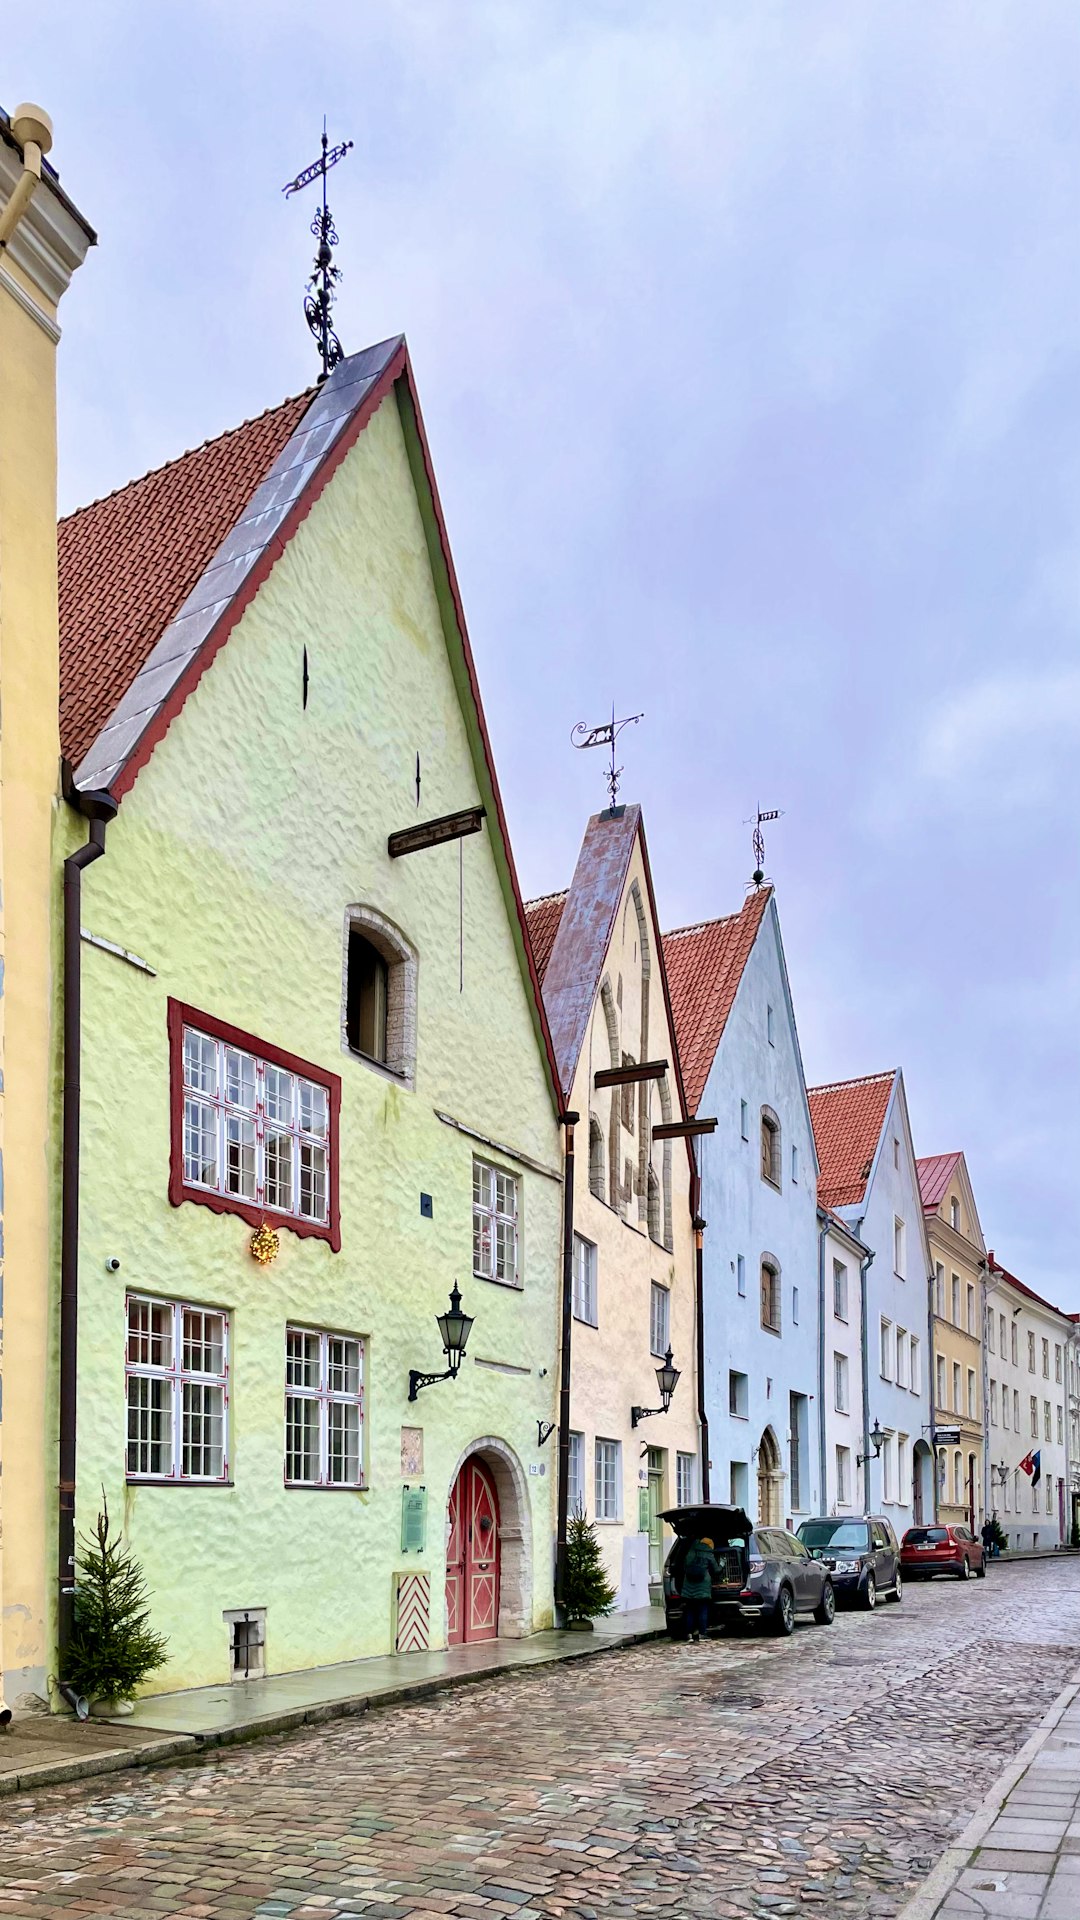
(933, 1387)
(99, 808)
(569, 1121)
(699, 1313)
(864, 1268)
(823, 1445)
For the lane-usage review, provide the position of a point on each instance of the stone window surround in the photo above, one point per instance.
(402, 970)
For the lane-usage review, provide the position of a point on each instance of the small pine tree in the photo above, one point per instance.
(998, 1537)
(113, 1647)
(588, 1592)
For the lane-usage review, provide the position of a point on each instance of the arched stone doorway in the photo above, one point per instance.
(488, 1546)
(770, 1479)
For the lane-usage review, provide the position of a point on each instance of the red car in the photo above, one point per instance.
(925, 1551)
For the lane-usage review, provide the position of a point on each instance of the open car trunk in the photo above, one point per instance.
(729, 1529)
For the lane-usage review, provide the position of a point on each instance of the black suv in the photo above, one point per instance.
(862, 1556)
(729, 1529)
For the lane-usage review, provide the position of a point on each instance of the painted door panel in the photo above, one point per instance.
(472, 1557)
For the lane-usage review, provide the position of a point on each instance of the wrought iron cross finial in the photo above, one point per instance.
(757, 821)
(605, 736)
(321, 288)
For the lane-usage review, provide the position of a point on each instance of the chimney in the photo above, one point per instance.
(43, 239)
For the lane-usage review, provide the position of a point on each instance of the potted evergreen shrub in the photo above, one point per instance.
(113, 1646)
(588, 1593)
(998, 1538)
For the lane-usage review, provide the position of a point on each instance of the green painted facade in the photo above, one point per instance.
(229, 870)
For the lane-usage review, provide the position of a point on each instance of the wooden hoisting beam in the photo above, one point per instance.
(626, 1076)
(683, 1129)
(432, 833)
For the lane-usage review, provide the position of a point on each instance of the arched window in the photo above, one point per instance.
(770, 1293)
(596, 1157)
(770, 1147)
(379, 992)
(656, 1222)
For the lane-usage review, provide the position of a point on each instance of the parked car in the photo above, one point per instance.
(862, 1556)
(766, 1573)
(925, 1551)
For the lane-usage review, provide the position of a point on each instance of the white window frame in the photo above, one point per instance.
(840, 1290)
(685, 1479)
(843, 1476)
(585, 1291)
(495, 1224)
(901, 1357)
(607, 1480)
(886, 1349)
(326, 1396)
(971, 1406)
(915, 1366)
(659, 1319)
(957, 1403)
(244, 1106)
(840, 1383)
(1034, 1415)
(899, 1247)
(175, 1380)
(575, 1478)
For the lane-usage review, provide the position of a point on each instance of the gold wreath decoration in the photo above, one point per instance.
(264, 1245)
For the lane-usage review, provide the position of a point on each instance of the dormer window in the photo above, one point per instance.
(770, 1147)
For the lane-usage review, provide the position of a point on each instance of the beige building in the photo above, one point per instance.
(598, 952)
(958, 1254)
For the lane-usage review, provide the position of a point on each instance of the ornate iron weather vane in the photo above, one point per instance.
(757, 822)
(321, 288)
(605, 736)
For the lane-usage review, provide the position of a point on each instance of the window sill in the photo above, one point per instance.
(737, 1416)
(160, 1480)
(508, 1286)
(317, 1486)
(598, 1522)
(768, 1181)
(765, 1328)
(846, 1411)
(581, 1321)
(256, 1216)
(401, 1076)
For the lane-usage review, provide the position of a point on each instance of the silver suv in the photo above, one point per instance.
(784, 1579)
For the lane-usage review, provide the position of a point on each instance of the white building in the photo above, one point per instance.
(840, 1373)
(1027, 1352)
(869, 1178)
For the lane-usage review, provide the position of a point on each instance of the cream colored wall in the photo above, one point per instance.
(613, 1368)
(958, 1254)
(229, 869)
(29, 779)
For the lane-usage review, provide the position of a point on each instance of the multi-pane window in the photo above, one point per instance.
(941, 1380)
(886, 1350)
(1060, 1427)
(956, 1299)
(1031, 1353)
(901, 1357)
(839, 1290)
(939, 1289)
(1049, 1494)
(915, 1382)
(324, 1409)
(1016, 1410)
(903, 1488)
(956, 1400)
(840, 1382)
(1005, 1407)
(495, 1224)
(993, 1403)
(971, 1309)
(958, 1479)
(1012, 1342)
(887, 1468)
(770, 1147)
(843, 1476)
(1034, 1417)
(576, 1476)
(659, 1320)
(584, 1280)
(990, 1333)
(1057, 1364)
(685, 1479)
(770, 1297)
(971, 1405)
(1046, 1420)
(607, 1477)
(1046, 1359)
(254, 1132)
(177, 1391)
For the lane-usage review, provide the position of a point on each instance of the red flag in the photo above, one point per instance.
(1027, 1465)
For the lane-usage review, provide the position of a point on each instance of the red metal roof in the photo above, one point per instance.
(935, 1172)
(127, 562)
(543, 916)
(998, 1272)
(705, 964)
(848, 1117)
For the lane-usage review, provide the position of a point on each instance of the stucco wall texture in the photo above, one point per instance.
(229, 870)
(613, 1367)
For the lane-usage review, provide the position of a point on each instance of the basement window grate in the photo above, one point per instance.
(247, 1643)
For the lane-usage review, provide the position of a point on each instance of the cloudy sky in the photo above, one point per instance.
(747, 341)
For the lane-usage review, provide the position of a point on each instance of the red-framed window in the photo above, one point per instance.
(254, 1130)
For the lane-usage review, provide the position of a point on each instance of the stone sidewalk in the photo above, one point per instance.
(41, 1750)
(1020, 1858)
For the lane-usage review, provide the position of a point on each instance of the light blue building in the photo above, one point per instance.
(742, 1066)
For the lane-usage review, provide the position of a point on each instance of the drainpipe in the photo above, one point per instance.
(699, 1311)
(864, 1268)
(33, 130)
(933, 1386)
(823, 1445)
(99, 809)
(569, 1122)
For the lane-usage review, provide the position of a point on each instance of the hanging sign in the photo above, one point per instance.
(413, 1519)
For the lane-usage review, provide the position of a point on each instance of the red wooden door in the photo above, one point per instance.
(472, 1557)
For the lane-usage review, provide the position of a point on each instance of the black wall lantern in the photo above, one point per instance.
(667, 1379)
(877, 1441)
(454, 1328)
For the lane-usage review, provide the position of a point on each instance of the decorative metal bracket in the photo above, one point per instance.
(418, 1380)
(544, 1431)
(644, 1413)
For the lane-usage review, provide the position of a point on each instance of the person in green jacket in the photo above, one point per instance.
(700, 1568)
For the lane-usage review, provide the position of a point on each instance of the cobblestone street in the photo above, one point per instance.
(742, 1777)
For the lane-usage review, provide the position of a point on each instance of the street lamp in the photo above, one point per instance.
(1000, 1474)
(454, 1329)
(667, 1379)
(877, 1441)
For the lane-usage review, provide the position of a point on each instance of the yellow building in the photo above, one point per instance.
(43, 238)
(599, 954)
(959, 1260)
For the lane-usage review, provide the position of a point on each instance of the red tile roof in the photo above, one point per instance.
(998, 1272)
(848, 1117)
(935, 1172)
(543, 916)
(705, 964)
(127, 562)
